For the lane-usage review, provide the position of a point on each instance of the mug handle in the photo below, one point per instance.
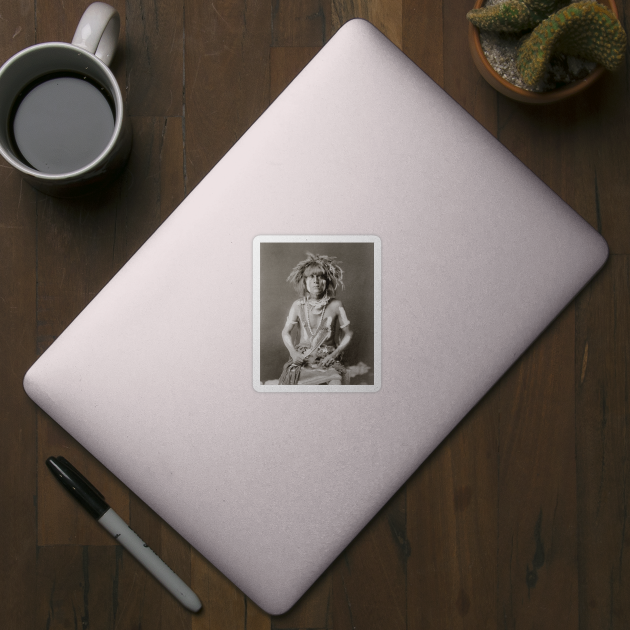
(98, 30)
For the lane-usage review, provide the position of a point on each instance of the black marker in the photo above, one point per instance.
(94, 502)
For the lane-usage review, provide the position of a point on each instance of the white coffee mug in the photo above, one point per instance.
(73, 83)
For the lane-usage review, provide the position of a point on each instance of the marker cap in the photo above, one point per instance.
(78, 486)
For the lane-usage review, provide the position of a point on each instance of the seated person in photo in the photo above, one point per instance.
(324, 329)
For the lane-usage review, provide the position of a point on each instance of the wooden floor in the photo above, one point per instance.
(518, 520)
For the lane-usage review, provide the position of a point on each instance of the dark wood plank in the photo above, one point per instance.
(452, 527)
(18, 420)
(57, 23)
(154, 57)
(18, 416)
(537, 537)
(369, 577)
(422, 36)
(608, 135)
(603, 442)
(608, 127)
(226, 78)
(300, 22)
(76, 587)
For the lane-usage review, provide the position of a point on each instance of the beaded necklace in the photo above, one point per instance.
(310, 307)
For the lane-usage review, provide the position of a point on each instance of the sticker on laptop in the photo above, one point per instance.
(317, 313)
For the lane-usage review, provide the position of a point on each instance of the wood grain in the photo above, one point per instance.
(154, 57)
(602, 380)
(452, 516)
(57, 22)
(76, 587)
(537, 536)
(422, 36)
(369, 577)
(517, 520)
(609, 133)
(18, 416)
(300, 22)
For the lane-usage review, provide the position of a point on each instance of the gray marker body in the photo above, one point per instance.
(149, 559)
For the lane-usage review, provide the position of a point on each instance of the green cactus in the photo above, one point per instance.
(513, 16)
(584, 29)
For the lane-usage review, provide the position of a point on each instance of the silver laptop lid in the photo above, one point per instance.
(471, 258)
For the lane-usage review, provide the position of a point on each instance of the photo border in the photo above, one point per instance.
(311, 238)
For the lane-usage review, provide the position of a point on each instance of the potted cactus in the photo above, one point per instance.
(558, 49)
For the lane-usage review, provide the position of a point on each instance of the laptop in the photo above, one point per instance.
(453, 258)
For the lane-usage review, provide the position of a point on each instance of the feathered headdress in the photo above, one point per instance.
(328, 264)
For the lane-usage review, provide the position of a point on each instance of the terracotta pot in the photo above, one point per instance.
(512, 91)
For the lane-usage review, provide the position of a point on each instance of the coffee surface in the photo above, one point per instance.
(62, 124)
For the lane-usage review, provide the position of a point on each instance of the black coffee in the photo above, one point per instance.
(61, 123)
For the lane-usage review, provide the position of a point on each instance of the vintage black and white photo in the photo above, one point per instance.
(317, 313)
